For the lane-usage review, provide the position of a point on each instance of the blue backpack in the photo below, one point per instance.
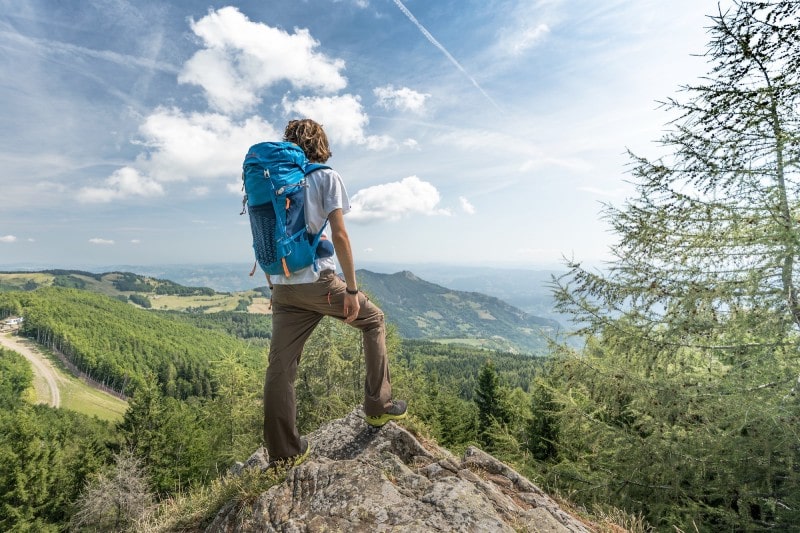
(273, 176)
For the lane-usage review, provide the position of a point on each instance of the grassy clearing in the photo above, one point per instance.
(261, 306)
(18, 280)
(209, 304)
(195, 510)
(78, 396)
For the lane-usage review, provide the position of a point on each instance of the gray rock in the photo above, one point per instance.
(359, 478)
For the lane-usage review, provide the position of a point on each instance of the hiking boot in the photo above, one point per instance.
(396, 412)
(293, 460)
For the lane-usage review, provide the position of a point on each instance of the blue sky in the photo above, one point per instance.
(479, 132)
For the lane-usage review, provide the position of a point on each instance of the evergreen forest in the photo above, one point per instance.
(678, 406)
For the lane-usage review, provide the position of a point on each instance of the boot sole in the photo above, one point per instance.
(382, 420)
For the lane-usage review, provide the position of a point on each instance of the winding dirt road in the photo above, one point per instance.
(42, 368)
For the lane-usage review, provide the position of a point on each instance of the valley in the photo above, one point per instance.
(55, 386)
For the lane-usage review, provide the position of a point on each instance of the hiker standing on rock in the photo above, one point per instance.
(302, 298)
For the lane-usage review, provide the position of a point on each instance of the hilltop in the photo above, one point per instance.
(359, 478)
(144, 291)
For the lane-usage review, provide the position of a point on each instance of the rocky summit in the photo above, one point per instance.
(360, 478)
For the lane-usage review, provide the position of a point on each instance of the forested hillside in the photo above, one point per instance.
(423, 310)
(120, 345)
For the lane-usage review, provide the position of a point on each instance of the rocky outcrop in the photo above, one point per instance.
(359, 478)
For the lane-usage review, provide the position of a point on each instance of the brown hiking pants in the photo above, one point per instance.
(296, 311)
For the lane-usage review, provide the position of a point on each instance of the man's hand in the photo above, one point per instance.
(351, 307)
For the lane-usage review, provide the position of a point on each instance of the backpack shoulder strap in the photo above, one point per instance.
(311, 167)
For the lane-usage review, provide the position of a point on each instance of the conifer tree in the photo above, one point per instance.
(691, 377)
(490, 399)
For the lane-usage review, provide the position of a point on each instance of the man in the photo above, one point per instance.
(301, 300)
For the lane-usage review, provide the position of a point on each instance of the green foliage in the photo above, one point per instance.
(171, 438)
(46, 455)
(251, 327)
(119, 344)
(127, 282)
(235, 414)
(330, 380)
(461, 364)
(489, 397)
(683, 405)
(73, 273)
(542, 431)
(15, 377)
(172, 288)
(140, 300)
(69, 281)
(184, 444)
(243, 304)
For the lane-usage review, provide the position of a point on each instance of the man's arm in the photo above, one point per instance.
(341, 243)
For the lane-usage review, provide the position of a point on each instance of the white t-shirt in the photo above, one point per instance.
(324, 192)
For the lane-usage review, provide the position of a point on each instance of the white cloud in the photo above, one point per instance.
(522, 38)
(8, 238)
(197, 145)
(342, 117)
(393, 201)
(404, 99)
(129, 182)
(136, 241)
(103, 242)
(241, 58)
(123, 183)
(200, 191)
(411, 143)
(466, 206)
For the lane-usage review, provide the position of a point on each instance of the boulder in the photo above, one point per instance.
(360, 478)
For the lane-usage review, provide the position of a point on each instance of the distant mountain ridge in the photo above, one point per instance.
(424, 310)
(420, 309)
(529, 289)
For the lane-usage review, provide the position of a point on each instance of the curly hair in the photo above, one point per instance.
(309, 136)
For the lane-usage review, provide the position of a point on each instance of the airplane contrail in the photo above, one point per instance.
(438, 45)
